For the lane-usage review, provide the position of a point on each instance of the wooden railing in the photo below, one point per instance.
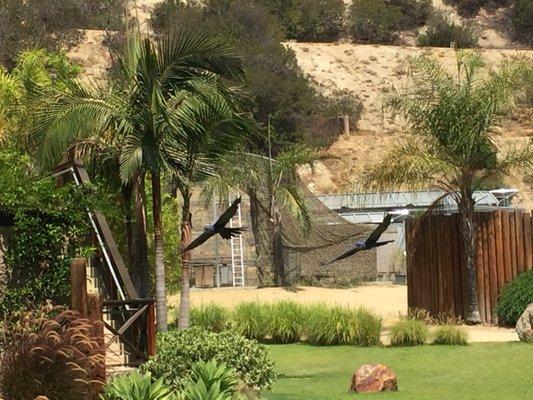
(133, 324)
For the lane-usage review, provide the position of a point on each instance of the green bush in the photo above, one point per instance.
(514, 298)
(522, 20)
(211, 381)
(442, 31)
(134, 386)
(450, 334)
(178, 351)
(408, 332)
(284, 321)
(308, 20)
(341, 325)
(249, 320)
(379, 21)
(211, 317)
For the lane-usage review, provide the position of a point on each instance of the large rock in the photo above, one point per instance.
(523, 326)
(374, 378)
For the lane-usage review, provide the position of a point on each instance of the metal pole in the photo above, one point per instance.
(217, 256)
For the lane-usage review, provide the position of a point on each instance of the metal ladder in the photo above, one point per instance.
(237, 254)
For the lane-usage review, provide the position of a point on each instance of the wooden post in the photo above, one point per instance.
(95, 315)
(528, 241)
(78, 285)
(151, 330)
(346, 120)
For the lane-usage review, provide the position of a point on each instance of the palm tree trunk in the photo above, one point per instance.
(160, 284)
(468, 232)
(186, 234)
(141, 265)
(277, 253)
(262, 230)
(127, 197)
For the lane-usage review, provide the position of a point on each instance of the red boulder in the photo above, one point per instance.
(374, 378)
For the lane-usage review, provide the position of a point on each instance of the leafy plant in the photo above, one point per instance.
(249, 320)
(514, 298)
(408, 332)
(211, 381)
(341, 325)
(54, 356)
(179, 350)
(285, 320)
(211, 317)
(522, 20)
(450, 334)
(135, 386)
(442, 32)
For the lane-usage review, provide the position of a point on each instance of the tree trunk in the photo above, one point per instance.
(277, 254)
(263, 230)
(127, 196)
(160, 284)
(3, 265)
(468, 232)
(186, 233)
(140, 244)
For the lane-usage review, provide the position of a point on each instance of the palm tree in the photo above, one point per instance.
(219, 128)
(453, 121)
(275, 193)
(143, 108)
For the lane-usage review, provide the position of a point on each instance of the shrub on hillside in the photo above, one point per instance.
(514, 298)
(341, 325)
(470, 8)
(379, 21)
(52, 353)
(450, 334)
(211, 317)
(522, 20)
(178, 351)
(408, 332)
(135, 386)
(249, 320)
(309, 20)
(284, 321)
(442, 32)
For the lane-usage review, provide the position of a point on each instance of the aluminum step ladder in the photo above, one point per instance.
(237, 250)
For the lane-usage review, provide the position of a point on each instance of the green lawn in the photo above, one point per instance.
(499, 371)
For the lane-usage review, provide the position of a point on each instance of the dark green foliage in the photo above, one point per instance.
(50, 227)
(211, 381)
(379, 21)
(52, 23)
(249, 320)
(408, 332)
(442, 31)
(284, 321)
(178, 351)
(514, 298)
(134, 386)
(280, 91)
(211, 317)
(470, 8)
(308, 20)
(341, 325)
(450, 335)
(522, 21)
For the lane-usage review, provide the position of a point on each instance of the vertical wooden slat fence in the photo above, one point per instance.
(436, 272)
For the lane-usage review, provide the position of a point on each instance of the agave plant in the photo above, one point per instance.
(136, 386)
(211, 381)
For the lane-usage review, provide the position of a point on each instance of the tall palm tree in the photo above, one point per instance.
(143, 108)
(220, 128)
(453, 120)
(275, 193)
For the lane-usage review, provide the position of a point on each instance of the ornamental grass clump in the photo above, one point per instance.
(51, 352)
(408, 332)
(249, 320)
(284, 321)
(450, 335)
(340, 325)
(211, 317)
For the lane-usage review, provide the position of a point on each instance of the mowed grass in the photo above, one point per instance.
(478, 371)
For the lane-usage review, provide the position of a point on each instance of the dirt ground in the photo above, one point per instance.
(389, 301)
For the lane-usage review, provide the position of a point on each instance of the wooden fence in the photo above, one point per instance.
(436, 272)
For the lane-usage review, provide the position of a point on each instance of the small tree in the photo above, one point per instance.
(453, 119)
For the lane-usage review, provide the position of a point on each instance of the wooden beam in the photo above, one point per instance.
(78, 285)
